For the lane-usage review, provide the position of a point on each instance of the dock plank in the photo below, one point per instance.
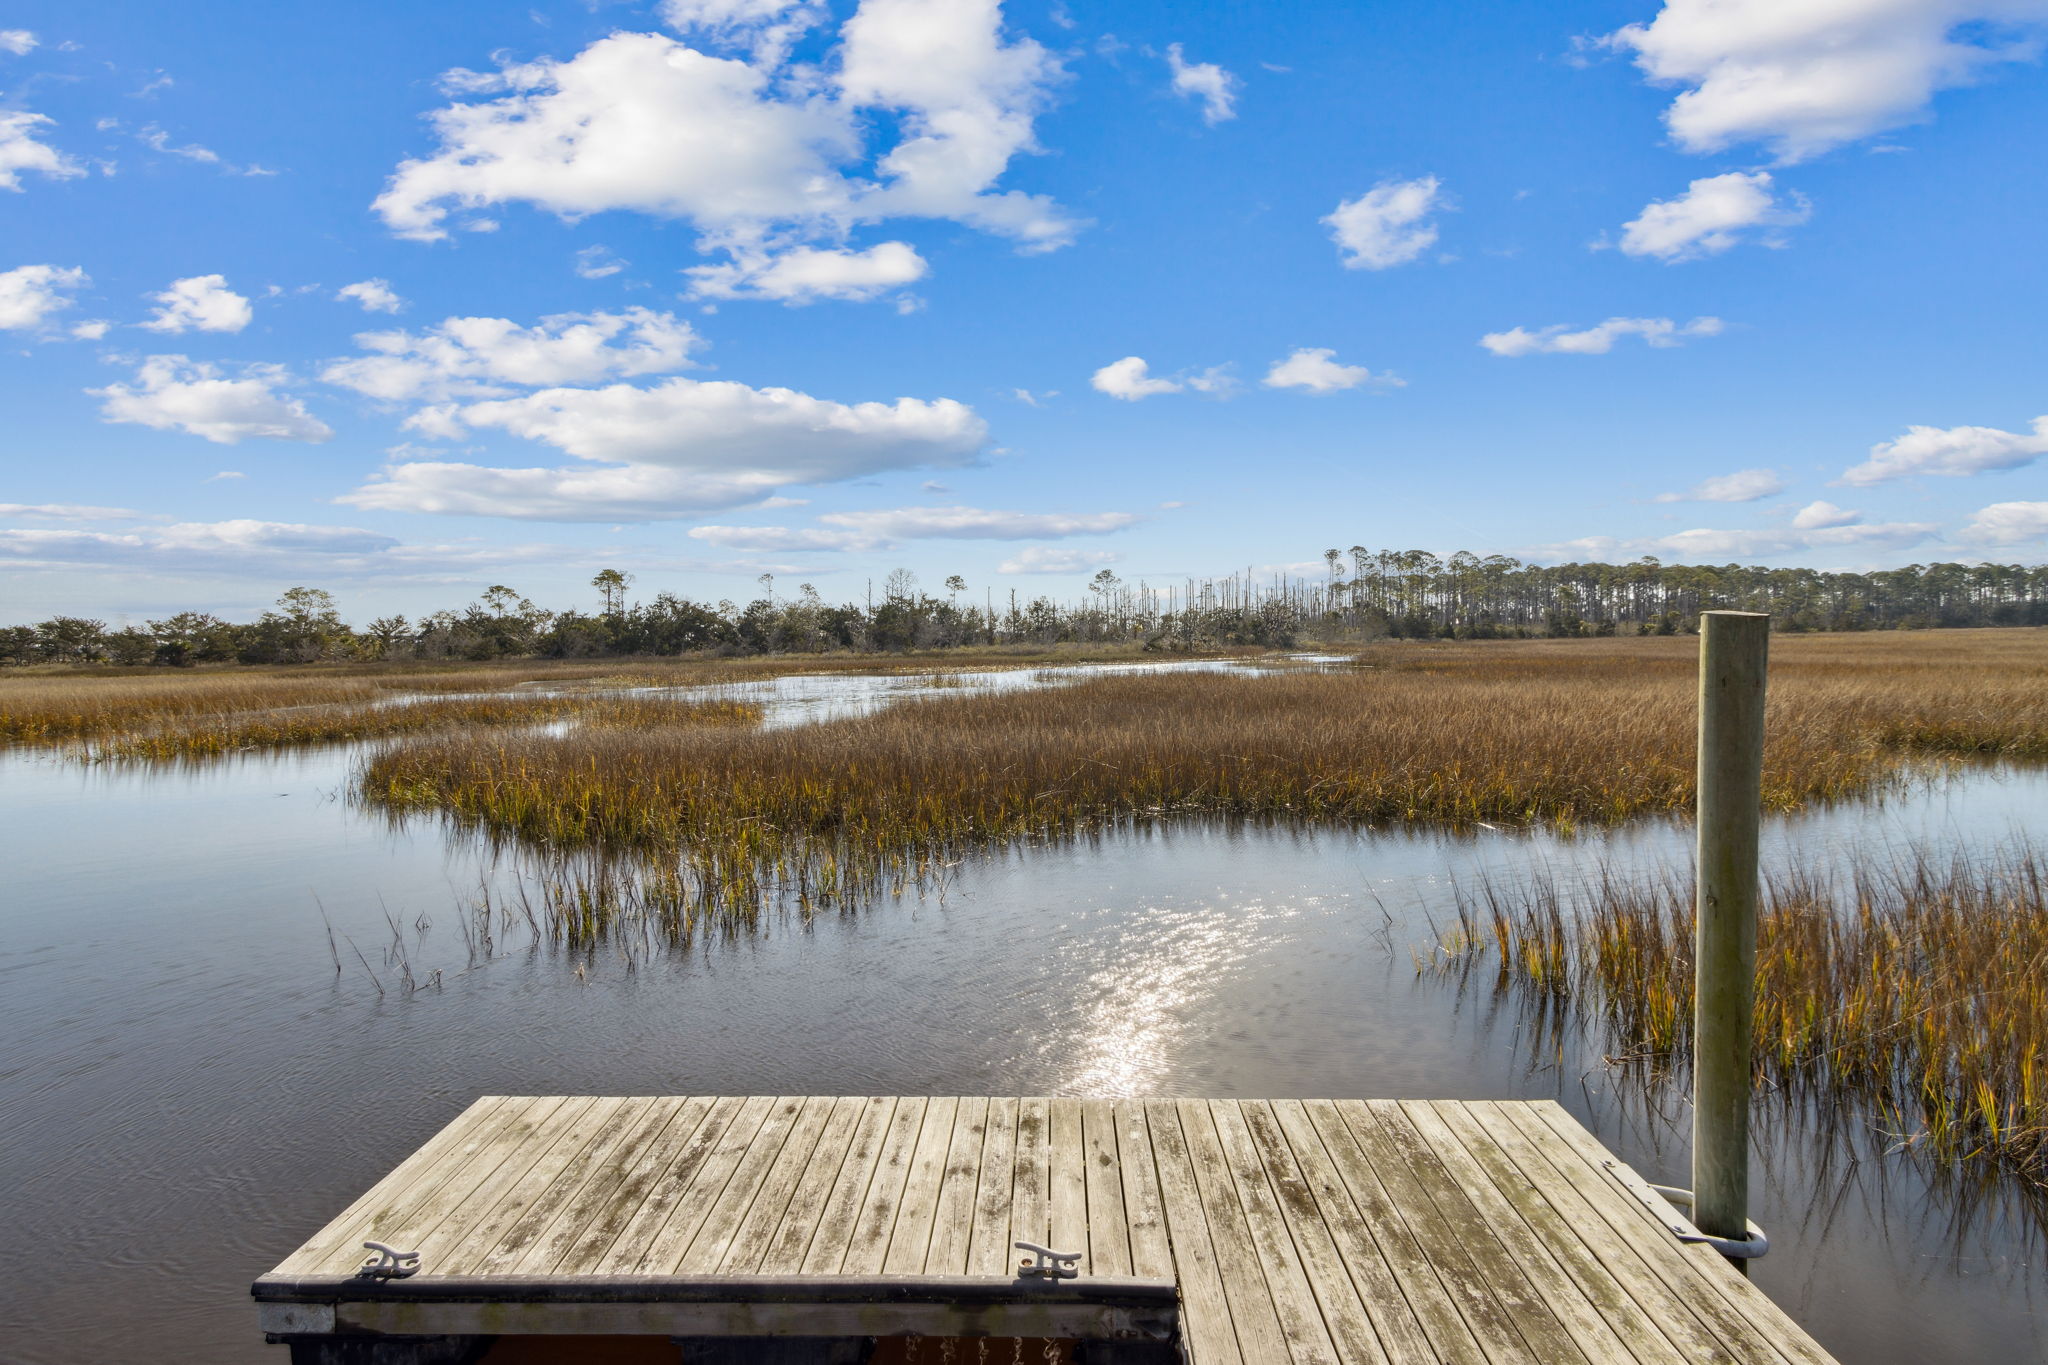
(813, 1137)
(953, 1217)
(1288, 1232)
(1411, 1315)
(1109, 1235)
(989, 1246)
(799, 1224)
(344, 1233)
(1517, 1165)
(843, 1202)
(1294, 1299)
(1345, 1315)
(1152, 1251)
(1734, 1301)
(1400, 1215)
(910, 1238)
(785, 1125)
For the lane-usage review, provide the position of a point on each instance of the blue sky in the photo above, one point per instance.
(704, 289)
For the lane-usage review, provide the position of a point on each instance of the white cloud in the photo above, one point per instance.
(675, 448)
(20, 151)
(485, 357)
(2009, 523)
(596, 262)
(1819, 515)
(219, 546)
(19, 41)
(759, 154)
(1705, 544)
(803, 274)
(1130, 379)
(1715, 213)
(974, 523)
(1211, 84)
(1387, 225)
(1803, 78)
(781, 538)
(91, 331)
(204, 302)
(1953, 451)
(174, 393)
(30, 294)
(765, 28)
(224, 475)
(1046, 559)
(68, 511)
(1316, 370)
(1744, 485)
(375, 296)
(1597, 339)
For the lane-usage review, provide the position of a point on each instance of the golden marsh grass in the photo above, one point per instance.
(1917, 987)
(1565, 734)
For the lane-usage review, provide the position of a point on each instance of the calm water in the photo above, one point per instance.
(188, 1089)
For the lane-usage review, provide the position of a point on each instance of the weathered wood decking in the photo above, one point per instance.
(1311, 1231)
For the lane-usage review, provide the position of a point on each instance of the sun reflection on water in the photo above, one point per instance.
(1137, 1012)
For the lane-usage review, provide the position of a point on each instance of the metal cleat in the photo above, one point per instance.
(1048, 1264)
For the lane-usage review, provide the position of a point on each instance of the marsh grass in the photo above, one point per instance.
(339, 722)
(125, 708)
(1915, 987)
(1564, 734)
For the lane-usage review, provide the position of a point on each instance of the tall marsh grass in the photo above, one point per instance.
(1915, 986)
(1560, 734)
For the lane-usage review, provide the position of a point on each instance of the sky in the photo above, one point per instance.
(403, 301)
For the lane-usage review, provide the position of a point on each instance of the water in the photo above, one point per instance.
(189, 1088)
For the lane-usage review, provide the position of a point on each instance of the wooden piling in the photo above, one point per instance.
(1734, 650)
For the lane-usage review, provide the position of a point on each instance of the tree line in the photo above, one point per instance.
(1362, 595)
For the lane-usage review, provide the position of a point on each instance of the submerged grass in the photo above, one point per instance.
(1915, 987)
(1563, 734)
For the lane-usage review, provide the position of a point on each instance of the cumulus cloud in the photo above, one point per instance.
(1715, 213)
(1952, 451)
(1316, 370)
(31, 294)
(760, 155)
(803, 274)
(375, 296)
(2009, 523)
(171, 392)
(669, 450)
(1744, 485)
(1818, 515)
(1804, 78)
(1598, 339)
(1131, 379)
(765, 28)
(489, 357)
(202, 302)
(1205, 81)
(1388, 224)
(18, 41)
(1050, 559)
(20, 150)
(91, 331)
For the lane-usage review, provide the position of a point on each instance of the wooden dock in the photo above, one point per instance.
(1220, 1232)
